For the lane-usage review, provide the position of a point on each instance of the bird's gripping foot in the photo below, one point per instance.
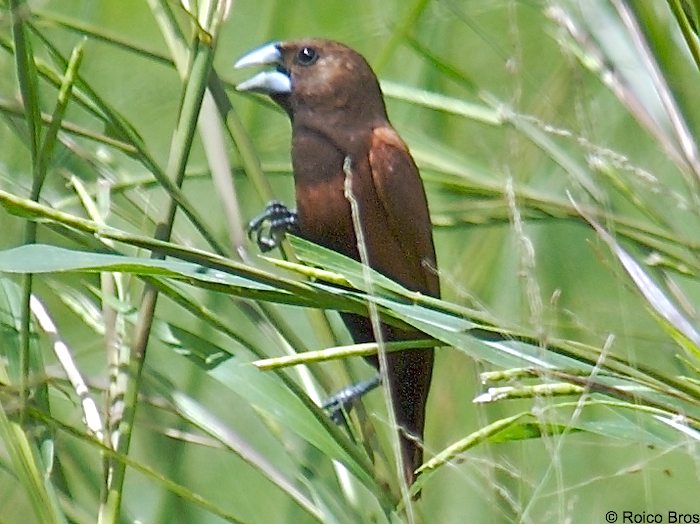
(342, 401)
(270, 226)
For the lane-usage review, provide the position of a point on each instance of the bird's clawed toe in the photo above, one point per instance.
(341, 402)
(270, 226)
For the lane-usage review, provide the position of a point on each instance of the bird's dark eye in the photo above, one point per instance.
(307, 56)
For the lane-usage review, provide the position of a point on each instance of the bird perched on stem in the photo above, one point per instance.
(339, 122)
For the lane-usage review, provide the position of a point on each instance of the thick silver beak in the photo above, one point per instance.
(264, 55)
(266, 82)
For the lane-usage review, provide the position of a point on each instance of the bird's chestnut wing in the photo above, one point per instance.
(401, 193)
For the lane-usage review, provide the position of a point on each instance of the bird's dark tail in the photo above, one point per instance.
(409, 374)
(409, 381)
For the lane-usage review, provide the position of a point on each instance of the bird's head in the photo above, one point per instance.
(317, 79)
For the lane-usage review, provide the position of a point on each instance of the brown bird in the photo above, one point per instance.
(338, 115)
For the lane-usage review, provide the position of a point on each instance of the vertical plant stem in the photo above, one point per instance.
(378, 336)
(194, 87)
(26, 76)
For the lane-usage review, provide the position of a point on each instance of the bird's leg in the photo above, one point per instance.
(342, 401)
(270, 226)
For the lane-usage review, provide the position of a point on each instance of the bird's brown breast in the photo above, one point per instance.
(324, 209)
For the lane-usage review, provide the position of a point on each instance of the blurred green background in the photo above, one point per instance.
(516, 112)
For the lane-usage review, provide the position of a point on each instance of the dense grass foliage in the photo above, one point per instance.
(155, 368)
